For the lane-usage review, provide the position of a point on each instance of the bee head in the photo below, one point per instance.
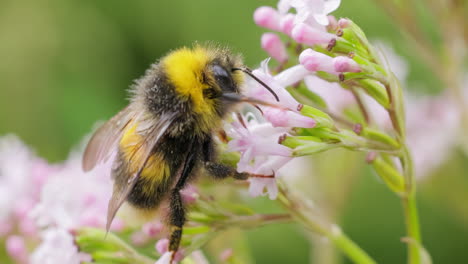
(202, 75)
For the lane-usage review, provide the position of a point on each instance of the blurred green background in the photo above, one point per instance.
(66, 64)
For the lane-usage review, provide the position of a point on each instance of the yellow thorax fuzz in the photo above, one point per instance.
(184, 68)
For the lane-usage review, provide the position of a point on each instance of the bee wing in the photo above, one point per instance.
(104, 140)
(152, 135)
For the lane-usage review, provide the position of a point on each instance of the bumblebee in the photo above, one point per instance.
(164, 136)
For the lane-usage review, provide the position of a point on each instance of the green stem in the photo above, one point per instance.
(410, 210)
(309, 218)
(353, 251)
(412, 229)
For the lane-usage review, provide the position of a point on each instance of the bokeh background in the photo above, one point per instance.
(66, 64)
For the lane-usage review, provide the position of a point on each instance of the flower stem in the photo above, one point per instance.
(410, 209)
(305, 214)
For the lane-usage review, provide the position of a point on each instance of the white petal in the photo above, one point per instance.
(331, 5)
(322, 19)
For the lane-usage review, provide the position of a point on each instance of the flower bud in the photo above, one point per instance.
(345, 64)
(306, 34)
(272, 44)
(316, 61)
(287, 24)
(267, 17)
(282, 118)
(344, 22)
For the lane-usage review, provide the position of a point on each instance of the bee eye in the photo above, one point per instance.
(223, 78)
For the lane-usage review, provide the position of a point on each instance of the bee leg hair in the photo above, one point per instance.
(177, 210)
(218, 170)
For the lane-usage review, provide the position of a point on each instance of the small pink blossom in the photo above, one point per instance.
(274, 46)
(152, 229)
(139, 238)
(287, 24)
(282, 118)
(189, 193)
(344, 22)
(57, 246)
(314, 11)
(276, 83)
(162, 246)
(258, 185)
(267, 17)
(308, 35)
(291, 76)
(345, 64)
(16, 248)
(316, 61)
(256, 140)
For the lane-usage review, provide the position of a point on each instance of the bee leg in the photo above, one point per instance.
(221, 171)
(177, 210)
(218, 170)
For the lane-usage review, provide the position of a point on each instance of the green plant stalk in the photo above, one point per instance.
(410, 209)
(306, 216)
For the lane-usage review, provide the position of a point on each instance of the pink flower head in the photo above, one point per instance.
(274, 46)
(308, 35)
(72, 198)
(316, 61)
(256, 140)
(267, 17)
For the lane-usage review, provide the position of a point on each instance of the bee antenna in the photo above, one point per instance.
(249, 72)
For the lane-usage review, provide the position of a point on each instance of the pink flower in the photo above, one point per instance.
(152, 229)
(308, 35)
(267, 17)
(162, 246)
(345, 64)
(261, 153)
(274, 46)
(314, 11)
(72, 198)
(259, 185)
(281, 118)
(287, 24)
(57, 247)
(256, 140)
(276, 83)
(316, 61)
(16, 248)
